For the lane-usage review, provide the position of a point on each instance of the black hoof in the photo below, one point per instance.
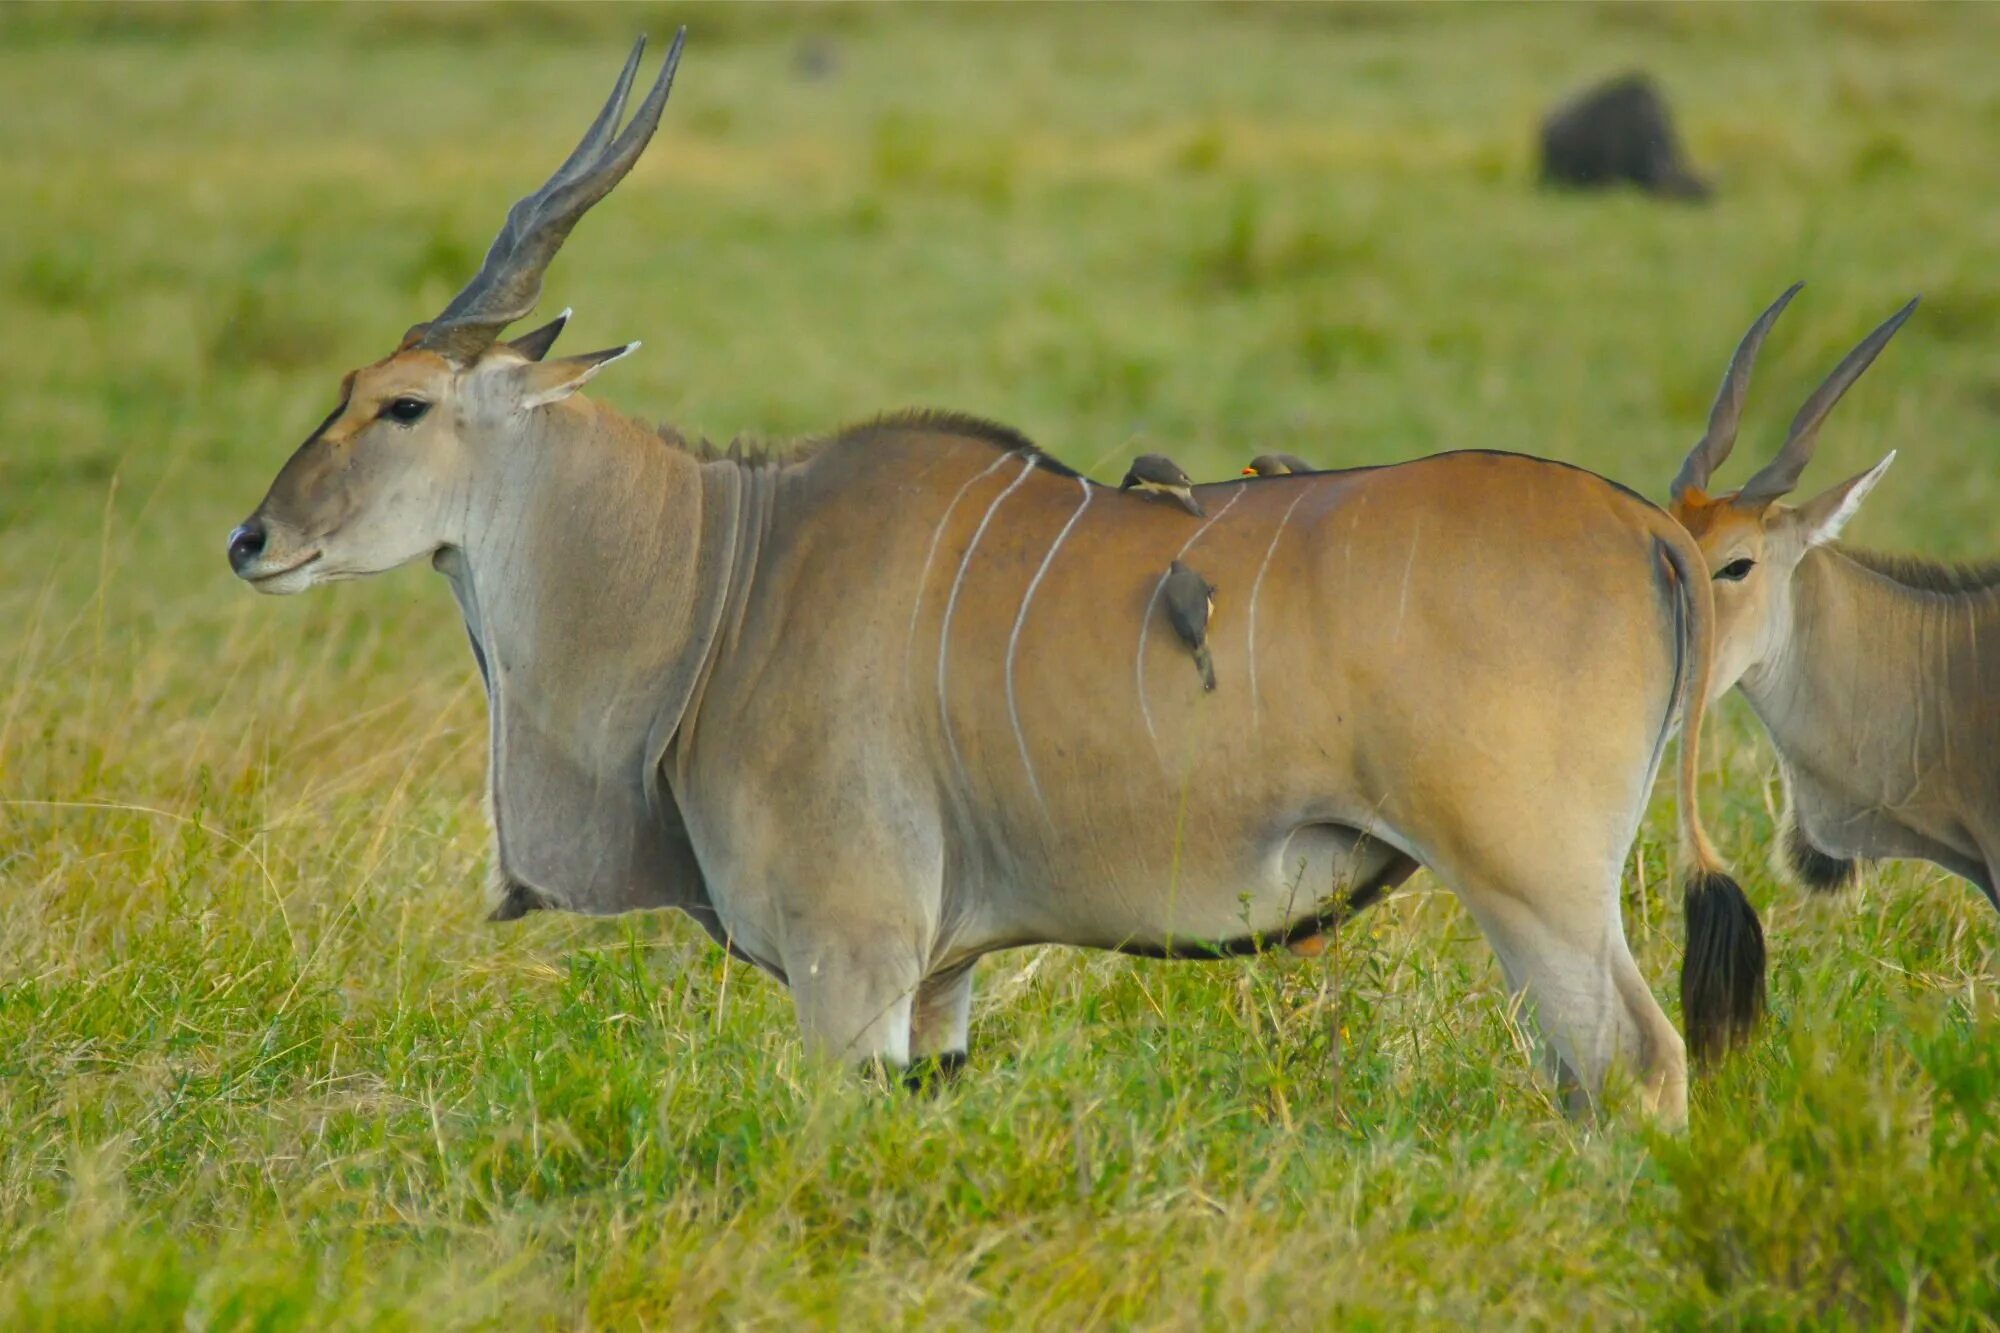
(927, 1073)
(516, 901)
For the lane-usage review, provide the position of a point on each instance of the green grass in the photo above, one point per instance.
(262, 1065)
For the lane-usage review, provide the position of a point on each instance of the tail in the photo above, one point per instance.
(1722, 972)
(1206, 665)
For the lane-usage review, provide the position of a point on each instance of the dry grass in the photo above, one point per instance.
(262, 1066)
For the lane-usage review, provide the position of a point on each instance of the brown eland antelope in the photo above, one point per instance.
(906, 696)
(1867, 670)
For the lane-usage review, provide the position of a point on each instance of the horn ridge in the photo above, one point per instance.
(509, 281)
(1782, 473)
(1712, 450)
(608, 119)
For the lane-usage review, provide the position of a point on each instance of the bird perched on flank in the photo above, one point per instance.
(1277, 465)
(1156, 474)
(1190, 600)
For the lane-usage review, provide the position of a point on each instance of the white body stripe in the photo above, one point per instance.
(1146, 621)
(1014, 639)
(951, 605)
(1409, 566)
(1257, 587)
(930, 556)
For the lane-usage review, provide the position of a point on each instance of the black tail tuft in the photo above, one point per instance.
(1722, 974)
(1816, 869)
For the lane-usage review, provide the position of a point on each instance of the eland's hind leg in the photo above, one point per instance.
(1561, 942)
(1662, 1062)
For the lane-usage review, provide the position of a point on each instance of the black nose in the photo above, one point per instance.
(245, 545)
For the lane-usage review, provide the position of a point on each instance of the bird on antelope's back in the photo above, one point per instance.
(1278, 465)
(1190, 600)
(1156, 474)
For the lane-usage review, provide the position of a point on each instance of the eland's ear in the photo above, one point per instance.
(1820, 519)
(539, 383)
(536, 344)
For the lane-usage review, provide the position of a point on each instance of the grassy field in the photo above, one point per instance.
(263, 1066)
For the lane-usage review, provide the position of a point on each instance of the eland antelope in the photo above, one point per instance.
(1868, 671)
(874, 707)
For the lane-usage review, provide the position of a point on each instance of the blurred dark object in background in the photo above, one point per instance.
(815, 58)
(1618, 132)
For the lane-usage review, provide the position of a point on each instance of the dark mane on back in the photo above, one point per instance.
(748, 450)
(1922, 575)
(931, 421)
(754, 452)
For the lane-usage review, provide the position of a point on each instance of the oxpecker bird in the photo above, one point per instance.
(1156, 474)
(1277, 465)
(1190, 600)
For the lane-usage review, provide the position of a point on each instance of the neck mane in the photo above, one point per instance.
(890, 427)
(1920, 575)
(1877, 644)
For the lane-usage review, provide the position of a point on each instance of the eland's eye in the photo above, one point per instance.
(1736, 570)
(406, 410)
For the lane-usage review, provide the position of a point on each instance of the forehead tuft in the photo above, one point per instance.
(1711, 519)
(412, 370)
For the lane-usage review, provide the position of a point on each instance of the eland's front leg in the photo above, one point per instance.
(839, 882)
(941, 1022)
(854, 992)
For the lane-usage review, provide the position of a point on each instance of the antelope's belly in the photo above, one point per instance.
(1207, 901)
